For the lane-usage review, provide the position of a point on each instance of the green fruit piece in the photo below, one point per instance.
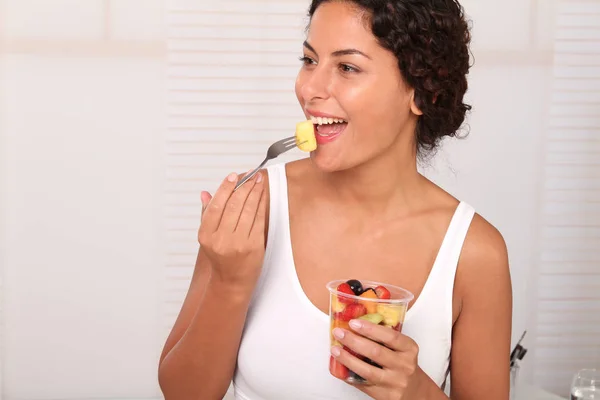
(374, 318)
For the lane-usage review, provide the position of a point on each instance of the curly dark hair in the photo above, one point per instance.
(430, 39)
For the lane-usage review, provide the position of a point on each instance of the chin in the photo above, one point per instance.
(327, 162)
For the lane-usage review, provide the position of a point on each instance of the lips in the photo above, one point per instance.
(320, 114)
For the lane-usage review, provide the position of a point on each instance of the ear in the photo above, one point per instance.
(413, 105)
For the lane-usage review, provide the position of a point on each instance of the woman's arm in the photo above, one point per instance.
(199, 357)
(482, 333)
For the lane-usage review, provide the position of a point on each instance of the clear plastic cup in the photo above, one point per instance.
(365, 300)
(586, 385)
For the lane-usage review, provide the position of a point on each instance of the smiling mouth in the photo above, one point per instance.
(331, 130)
(328, 127)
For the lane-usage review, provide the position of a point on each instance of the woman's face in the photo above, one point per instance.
(347, 75)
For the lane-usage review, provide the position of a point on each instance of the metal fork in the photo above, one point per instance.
(276, 149)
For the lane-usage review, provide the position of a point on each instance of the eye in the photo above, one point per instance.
(307, 60)
(348, 68)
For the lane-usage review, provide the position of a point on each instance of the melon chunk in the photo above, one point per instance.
(305, 136)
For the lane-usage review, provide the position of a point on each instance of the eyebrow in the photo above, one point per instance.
(338, 53)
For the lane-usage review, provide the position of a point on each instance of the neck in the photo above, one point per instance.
(382, 185)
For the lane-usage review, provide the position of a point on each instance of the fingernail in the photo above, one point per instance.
(338, 333)
(259, 178)
(232, 177)
(335, 350)
(355, 324)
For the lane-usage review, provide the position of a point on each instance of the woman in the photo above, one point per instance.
(394, 73)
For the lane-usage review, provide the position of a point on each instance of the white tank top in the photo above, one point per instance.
(284, 352)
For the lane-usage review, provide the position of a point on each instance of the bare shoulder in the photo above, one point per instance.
(296, 174)
(484, 263)
(484, 245)
(482, 331)
(297, 170)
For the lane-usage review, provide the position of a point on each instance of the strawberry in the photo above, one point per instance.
(338, 369)
(346, 289)
(382, 292)
(351, 311)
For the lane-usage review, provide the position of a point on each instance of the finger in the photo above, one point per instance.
(205, 198)
(214, 209)
(383, 334)
(258, 227)
(370, 390)
(367, 348)
(371, 374)
(250, 209)
(234, 206)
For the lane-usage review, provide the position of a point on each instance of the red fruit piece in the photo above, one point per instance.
(355, 354)
(338, 369)
(383, 293)
(352, 311)
(346, 289)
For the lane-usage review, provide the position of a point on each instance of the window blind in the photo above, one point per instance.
(231, 72)
(568, 303)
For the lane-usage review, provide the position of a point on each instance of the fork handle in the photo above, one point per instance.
(250, 175)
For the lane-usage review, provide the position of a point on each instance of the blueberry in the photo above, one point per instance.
(356, 286)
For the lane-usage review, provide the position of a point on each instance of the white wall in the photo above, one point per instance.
(82, 129)
(83, 252)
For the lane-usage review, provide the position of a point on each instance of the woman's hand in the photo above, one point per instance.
(232, 231)
(400, 376)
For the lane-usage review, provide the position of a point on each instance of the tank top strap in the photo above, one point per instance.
(278, 209)
(277, 224)
(439, 287)
(455, 239)
(449, 256)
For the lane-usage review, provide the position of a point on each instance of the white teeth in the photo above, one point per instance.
(325, 121)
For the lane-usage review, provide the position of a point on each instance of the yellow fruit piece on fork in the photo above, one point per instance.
(305, 136)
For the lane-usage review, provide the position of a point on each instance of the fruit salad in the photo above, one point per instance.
(380, 304)
(305, 136)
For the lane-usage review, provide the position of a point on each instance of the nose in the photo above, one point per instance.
(315, 84)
